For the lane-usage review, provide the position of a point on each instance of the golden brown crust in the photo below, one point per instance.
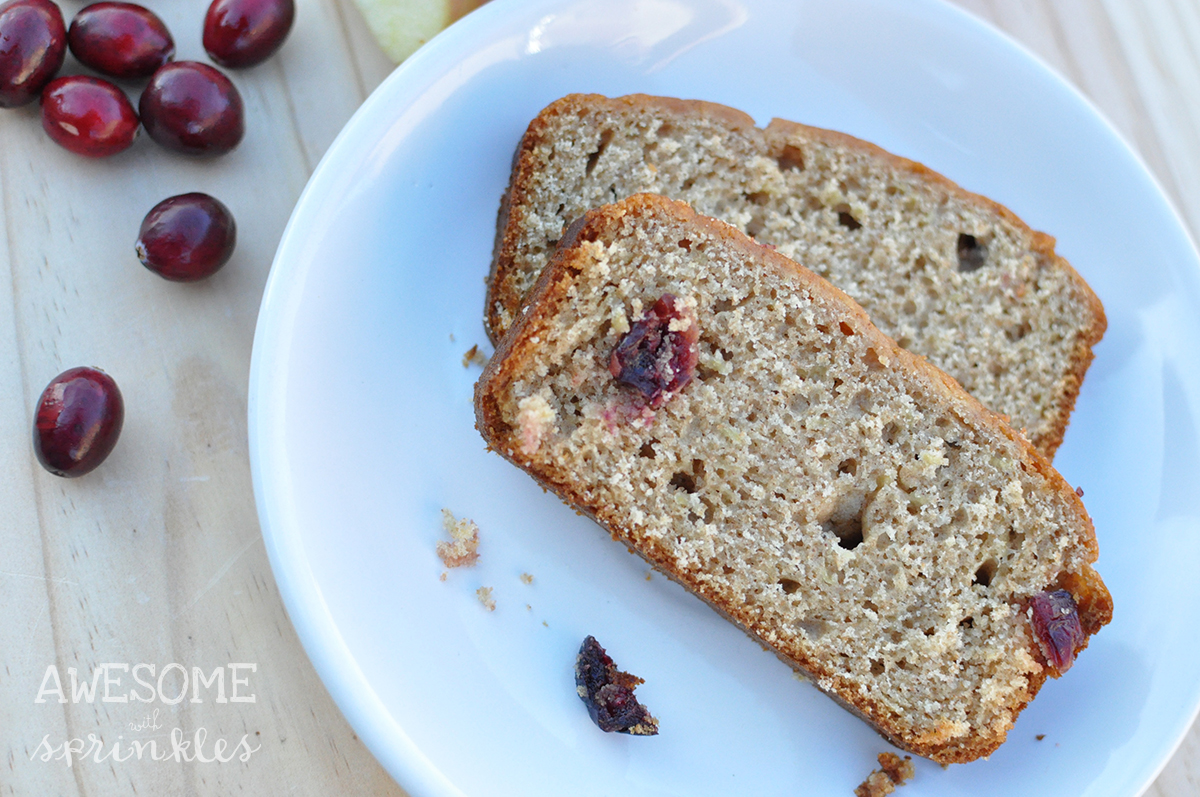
(544, 303)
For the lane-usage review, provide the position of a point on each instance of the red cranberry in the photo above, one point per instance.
(122, 40)
(608, 693)
(192, 108)
(33, 41)
(654, 359)
(187, 237)
(78, 420)
(239, 33)
(88, 116)
(1056, 627)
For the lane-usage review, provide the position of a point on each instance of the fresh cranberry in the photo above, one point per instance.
(240, 33)
(122, 40)
(187, 237)
(78, 420)
(1056, 626)
(33, 41)
(88, 116)
(192, 108)
(654, 359)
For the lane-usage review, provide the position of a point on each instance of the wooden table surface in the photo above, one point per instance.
(157, 556)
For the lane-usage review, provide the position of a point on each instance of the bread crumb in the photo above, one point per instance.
(451, 337)
(877, 784)
(526, 578)
(474, 355)
(528, 608)
(649, 574)
(463, 548)
(442, 577)
(1040, 736)
(485, 597)
(894, 771)
(545, 623)
(897, 768)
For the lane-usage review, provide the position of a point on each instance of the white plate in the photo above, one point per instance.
(361, 423)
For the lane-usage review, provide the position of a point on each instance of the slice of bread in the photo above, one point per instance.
(840, 499)
(949, 275)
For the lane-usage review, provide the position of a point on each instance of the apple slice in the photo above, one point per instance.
(402, 26)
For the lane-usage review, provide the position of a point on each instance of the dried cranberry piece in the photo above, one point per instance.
(1056, 627)
(655, 359)
(608, 693)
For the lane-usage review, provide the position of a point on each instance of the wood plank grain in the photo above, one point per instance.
(157, 557)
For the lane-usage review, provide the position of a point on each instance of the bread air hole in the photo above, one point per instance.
(849, 531)
(972, 254)
(1018, 332)
(871, 358)
(986, 572)
(789, 586)
(684, 481)
(846, 218)
(689, 482)
(605, 138)
(844, 519)
(791, 159)
(877, 667)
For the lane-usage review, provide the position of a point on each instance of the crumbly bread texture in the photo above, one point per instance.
(894, 771)
(462, 549)
(840, 499)
(949, 275)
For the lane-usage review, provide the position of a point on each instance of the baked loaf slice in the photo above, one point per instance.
(949, 275)
(738, 421)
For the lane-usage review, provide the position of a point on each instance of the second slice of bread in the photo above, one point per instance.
(841, 500)
(948, 274)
